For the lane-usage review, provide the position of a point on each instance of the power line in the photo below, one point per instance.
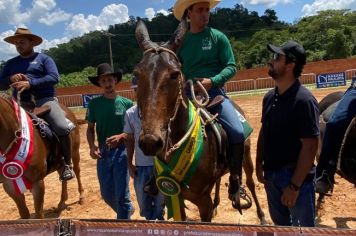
(224, 31)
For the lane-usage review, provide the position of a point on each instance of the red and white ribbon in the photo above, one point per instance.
(19, 157)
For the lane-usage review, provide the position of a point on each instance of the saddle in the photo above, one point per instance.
(326, 115)
(41, 111)
(31, 108)
(215, 101)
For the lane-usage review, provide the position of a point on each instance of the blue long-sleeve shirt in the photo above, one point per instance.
(41, 71)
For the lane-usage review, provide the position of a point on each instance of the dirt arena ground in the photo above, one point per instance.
(339, 210)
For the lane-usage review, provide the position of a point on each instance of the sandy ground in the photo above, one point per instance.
(339, 210)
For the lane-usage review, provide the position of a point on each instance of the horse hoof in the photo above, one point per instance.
(81, 201)
(263, 221)
(215, 212)
(61, 207)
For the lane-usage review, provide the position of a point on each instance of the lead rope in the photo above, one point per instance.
(205, 99)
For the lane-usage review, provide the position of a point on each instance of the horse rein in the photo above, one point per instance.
(17, 132)
(179, 101)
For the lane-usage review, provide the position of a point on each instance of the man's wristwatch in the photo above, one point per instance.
(294, 186)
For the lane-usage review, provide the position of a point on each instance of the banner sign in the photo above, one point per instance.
(88, 97)
(168, 228)
(331, 80)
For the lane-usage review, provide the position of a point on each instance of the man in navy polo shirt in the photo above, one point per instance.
(288, 140)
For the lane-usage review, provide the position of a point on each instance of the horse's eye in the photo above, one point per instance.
(175, 75)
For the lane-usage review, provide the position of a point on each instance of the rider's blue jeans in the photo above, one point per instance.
(303, 213)
(228, 117)
(335, 129)
(113, 178)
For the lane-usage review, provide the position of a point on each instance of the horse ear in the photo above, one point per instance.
(142, 36)
(178, 36)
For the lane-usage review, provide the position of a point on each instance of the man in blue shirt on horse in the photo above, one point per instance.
(35, 74)
(335, 129)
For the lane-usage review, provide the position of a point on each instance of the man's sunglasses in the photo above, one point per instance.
(276, 56)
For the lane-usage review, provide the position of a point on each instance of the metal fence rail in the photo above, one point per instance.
(76, 100)
(350, 73)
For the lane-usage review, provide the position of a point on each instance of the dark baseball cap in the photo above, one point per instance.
(290, 49)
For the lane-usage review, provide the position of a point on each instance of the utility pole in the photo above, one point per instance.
(109, 35)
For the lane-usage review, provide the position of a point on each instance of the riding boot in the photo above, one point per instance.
(235, 165)
(65, 146)
(150, 186)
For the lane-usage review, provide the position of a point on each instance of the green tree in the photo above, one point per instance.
(338, 46)
(327, 35)
(270, 17)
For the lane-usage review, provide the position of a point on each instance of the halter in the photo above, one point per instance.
(179, 101)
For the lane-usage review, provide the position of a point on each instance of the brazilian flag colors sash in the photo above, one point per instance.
(180, 170)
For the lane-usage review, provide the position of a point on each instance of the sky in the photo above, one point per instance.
(57, 21)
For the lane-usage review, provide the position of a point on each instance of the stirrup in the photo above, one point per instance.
(67, 173)
(246, 197)
(323, 184)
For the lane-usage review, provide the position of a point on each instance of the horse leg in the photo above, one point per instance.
(19, 199)
(205, 206)
(64, 197)
(216, 197)
(38, 191)
(319, 204)
(76, 169)
(248, 168)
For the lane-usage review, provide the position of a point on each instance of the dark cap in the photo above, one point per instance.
(292, 50)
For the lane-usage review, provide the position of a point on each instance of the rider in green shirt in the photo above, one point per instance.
(206, 55)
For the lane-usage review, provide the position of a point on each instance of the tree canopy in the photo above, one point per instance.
(328, 35)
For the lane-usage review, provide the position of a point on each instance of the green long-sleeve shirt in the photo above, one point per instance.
(207, 54)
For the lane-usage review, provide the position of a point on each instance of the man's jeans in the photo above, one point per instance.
(113, 178)
(335, 129)
(303, 213)
(151, 208)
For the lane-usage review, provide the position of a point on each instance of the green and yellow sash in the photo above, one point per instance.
(180, 170)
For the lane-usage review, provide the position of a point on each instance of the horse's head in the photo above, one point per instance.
(159, 87)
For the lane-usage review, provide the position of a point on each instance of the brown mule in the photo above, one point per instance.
(37, 170)
(164, 117)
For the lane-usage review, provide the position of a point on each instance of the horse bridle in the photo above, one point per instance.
(179, 101)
